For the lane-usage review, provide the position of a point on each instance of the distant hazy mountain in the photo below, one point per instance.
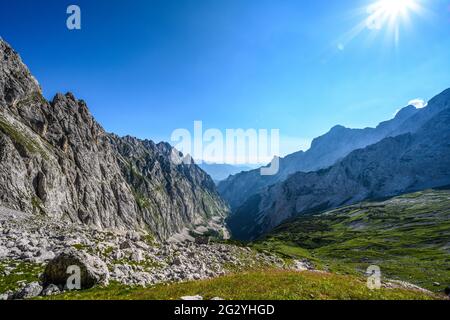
(324, 152)
(220, 172)
(407, 162)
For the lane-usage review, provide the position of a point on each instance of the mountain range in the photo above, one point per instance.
(72, 194)
(345, 166)
(57, 161)
(325, 151)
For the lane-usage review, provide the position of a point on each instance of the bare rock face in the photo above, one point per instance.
(56, 160)
(93, 271)
(161, 187)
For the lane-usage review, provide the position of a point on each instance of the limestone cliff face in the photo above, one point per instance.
(407, 162)
(56, 160)
(184, 194)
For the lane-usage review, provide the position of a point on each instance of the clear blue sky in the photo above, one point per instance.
(148, 67)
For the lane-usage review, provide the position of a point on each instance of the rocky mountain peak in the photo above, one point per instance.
(56, 160)
(338, 128)
(76, 112)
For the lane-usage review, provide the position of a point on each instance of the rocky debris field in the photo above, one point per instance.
(36, 253)
(41, 249)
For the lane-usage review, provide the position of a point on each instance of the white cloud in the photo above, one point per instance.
(418, 103)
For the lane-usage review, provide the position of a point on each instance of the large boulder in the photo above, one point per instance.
(93, 271)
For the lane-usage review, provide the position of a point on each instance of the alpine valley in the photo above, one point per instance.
(140, 226)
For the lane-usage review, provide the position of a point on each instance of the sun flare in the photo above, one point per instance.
(394, 8)
(386, 18)
(384, 12)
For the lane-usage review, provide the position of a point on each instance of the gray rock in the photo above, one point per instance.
(45, 255)
(302, 265)
(133, 236)
(30, 290)
(27, 255)
(117, 255)
(8, 295)
(23, 245)
(15, 252)
(177, 261)
(10, 244)
(34, 242)
(93, 270)
(137, 256)
(126, 245)
(51, 290)
(3, 252)
(119, 272)
(192, 298)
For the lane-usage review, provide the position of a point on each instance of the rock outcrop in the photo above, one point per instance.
(57, 161)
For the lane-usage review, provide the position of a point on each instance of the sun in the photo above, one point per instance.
(385, 12)
(391, 13)
(395, 8)
(385, 17)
